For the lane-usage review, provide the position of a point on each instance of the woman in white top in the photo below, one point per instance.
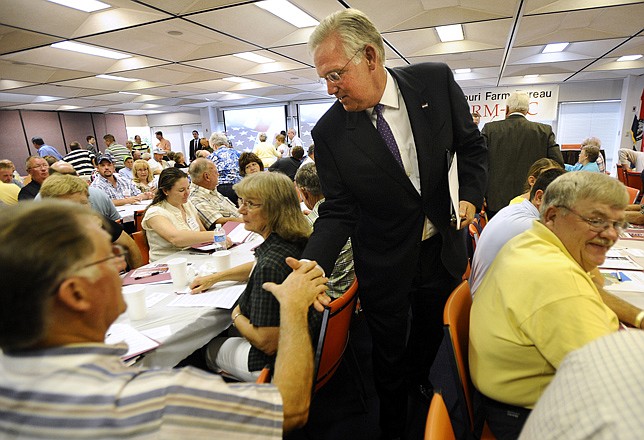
(171, 222)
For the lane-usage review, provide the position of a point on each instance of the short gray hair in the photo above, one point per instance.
(355, 31)
(218, 139)
(592, 141)
(567, 190)
(307, 179)
(197, 168)
(518, 101)
(53, 243)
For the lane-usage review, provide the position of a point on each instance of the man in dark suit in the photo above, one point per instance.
(514, 145)
(393, 203)
(194, 145)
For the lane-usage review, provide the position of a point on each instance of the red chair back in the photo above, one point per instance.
(142, 242)
(334, 335)
(632, 194)
(633, 179)
(621, 176)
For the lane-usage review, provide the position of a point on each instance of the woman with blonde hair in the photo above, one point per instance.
(270, 207)
(142, 176)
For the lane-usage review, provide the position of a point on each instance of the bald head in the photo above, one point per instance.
(62, 167)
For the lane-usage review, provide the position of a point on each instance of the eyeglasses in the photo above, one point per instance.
(35, 167)
(600, 224)
(118, 251)
(336, 75)
(249, 205)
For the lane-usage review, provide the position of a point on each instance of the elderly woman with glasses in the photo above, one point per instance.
(270, 207)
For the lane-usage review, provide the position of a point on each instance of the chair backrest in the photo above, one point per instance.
(334, 335)
(456, 316)
(621, 176)
(438, 426)
(633, 179)
(142, 242)
(138, 218)
(264, 375)
(632, 193)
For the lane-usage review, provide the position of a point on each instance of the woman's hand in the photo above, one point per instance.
(201, 284)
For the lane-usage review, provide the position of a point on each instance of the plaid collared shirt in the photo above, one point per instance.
(211, 205)
(124, 188)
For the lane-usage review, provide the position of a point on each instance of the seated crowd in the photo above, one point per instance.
(538, 295)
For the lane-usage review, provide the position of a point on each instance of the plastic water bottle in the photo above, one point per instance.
(219, 238)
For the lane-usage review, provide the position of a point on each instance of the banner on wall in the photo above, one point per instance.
(490, 102)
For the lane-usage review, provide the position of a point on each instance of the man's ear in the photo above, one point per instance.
(74, 294)
(372, 56)
(537, 200)
(549, 217)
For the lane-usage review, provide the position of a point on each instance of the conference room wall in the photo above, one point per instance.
(56, 128)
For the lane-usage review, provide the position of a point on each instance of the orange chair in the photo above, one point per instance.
(456, 317)
(334, 335)
(142, 242)
(138, 218)
(633, 179)
(265, 375)
(621, 176)
(632, 193)
(438, 426)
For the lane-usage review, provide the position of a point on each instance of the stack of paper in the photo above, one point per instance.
(137, 342)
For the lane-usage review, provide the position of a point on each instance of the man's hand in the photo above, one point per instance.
(466, 211)
(303, 287)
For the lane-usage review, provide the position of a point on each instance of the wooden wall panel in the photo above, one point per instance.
(100, 128)
(76, 127)
(116, 126)
(13, 145)
(47, 126)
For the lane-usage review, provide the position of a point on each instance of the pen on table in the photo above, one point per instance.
(619, 276)
(150, 275)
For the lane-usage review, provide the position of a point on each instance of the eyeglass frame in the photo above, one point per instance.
(123, 253)
(340, 72)
(597, 224)
(249, 205)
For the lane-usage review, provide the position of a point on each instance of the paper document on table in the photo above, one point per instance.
(160, 333)
(137, 342)
(623, 281)
(220, 297)
(452, 180)
(616, 259)
(239, 234)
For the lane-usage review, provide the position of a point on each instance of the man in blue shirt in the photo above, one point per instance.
(44, 149)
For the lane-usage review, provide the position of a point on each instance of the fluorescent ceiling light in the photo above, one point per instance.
(117, 78)
(83, 5)
(282, 9)
(129, 93)
(462, 70)
(250, 56)
(554, 47)
(629, 58)
(90, 50)
(530, 76)
(236, 79)
(452, 32)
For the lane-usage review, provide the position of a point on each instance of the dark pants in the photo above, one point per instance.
(505, 421)
(403, 353)
(226, 190)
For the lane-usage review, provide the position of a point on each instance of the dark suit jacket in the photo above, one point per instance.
(370, 198)
(514, 144)
(194, 146)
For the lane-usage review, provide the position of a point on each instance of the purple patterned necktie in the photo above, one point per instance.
(385, 131)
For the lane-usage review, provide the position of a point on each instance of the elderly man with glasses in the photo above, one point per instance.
(38, 169)
(540, 299)
(59, 378)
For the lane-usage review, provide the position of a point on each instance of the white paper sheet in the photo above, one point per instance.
(616, 259)
(221, 297)
(452, 178)
(136, 341)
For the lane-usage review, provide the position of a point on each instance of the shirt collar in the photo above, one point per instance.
(389, 97)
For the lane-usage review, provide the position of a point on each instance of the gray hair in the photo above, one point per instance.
(355, 31)
(570, 188)
(197, 168)
(518, 101)
(592, 152)
(218, 139)
(592, 141)
(262, 137)
(307, 179)
(53, 243)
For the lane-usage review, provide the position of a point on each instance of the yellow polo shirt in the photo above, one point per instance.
(9, 193)
(534, 306)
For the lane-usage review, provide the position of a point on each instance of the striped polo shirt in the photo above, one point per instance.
(84, 391)
(119, 152)
(81, 160)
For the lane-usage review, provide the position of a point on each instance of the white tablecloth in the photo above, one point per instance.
(190, 328)
(127, 211)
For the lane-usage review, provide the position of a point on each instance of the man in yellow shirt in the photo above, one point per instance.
(9, 193)
(539, 301)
